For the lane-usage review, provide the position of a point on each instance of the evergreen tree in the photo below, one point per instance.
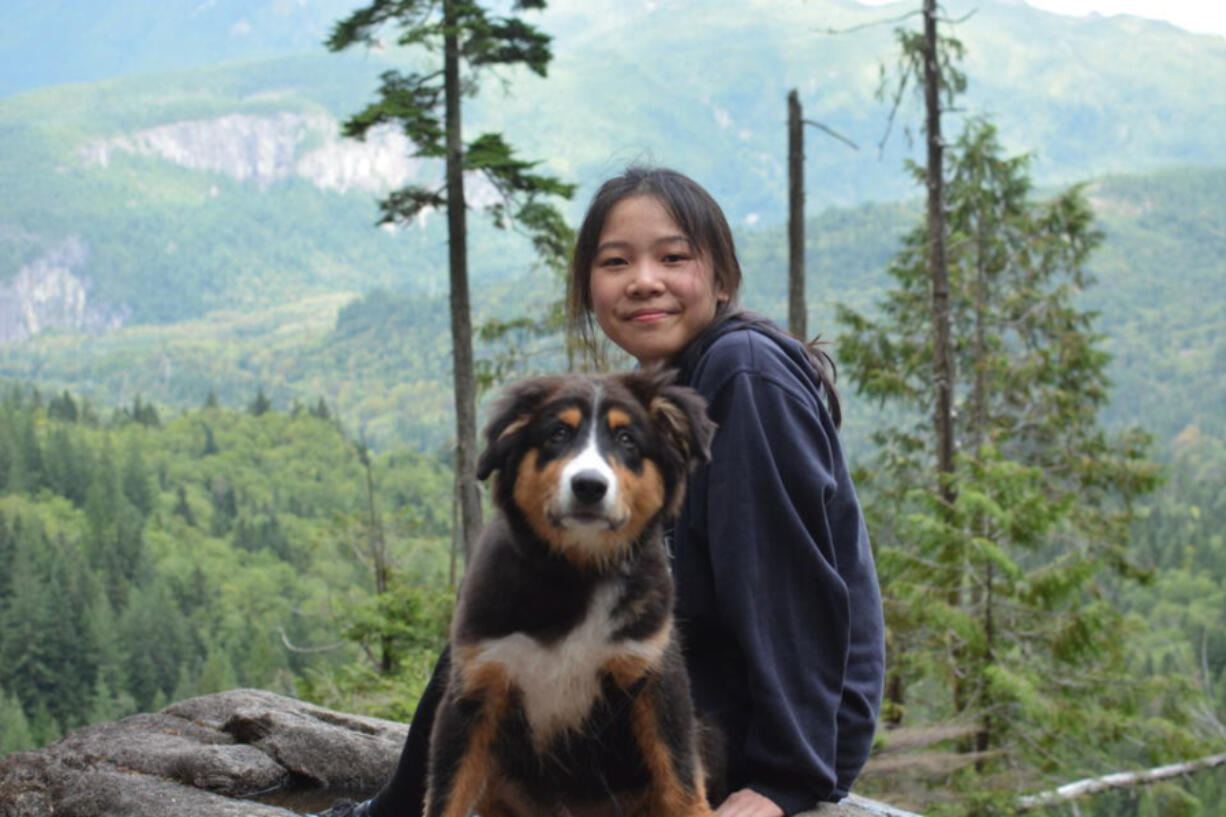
(16, 735)
(47, 656)
(210, 443)
(144, 413)
(217, 673)
(63, 408)
(8, 449)
(68, 464)
(27, 471)
(156, 642)
(261, 405)
(43, 726)
(135, 481)
(182, 507)
(225, 507)
(8, 555)
(109, 705)
(427, 107)
(998, 591)
(114, 537)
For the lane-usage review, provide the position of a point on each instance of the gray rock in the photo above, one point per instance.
(204, 756)
(208, 756)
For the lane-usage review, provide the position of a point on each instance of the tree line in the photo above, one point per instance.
(147, 559)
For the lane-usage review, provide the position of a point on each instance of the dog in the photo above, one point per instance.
(567, 694)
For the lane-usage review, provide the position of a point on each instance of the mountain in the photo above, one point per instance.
(208, 223)
(54, 42)
(382, 361)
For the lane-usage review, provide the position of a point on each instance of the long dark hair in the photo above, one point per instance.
(702, 220)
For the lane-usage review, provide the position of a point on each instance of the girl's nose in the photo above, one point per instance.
(645, 281)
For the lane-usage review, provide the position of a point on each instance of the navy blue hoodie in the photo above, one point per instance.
(777, 596)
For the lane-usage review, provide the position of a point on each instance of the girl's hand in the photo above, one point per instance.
(748, 803)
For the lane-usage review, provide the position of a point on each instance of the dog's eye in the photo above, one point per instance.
(561, 434)
(626, 440)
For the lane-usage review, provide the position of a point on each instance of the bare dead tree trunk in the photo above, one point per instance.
(461, 319)
(378, 553)
(938, 268)
(796, 218)
(942, 353)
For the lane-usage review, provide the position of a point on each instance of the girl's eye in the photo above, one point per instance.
(612, 261)
(675, 258)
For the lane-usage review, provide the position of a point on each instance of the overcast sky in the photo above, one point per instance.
(1204, 16)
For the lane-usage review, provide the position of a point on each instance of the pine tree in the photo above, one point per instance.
(134, 481)
(68, 464)
(47, 655)
(210, 442)
(43, 726)
(998, 594)
(16, 734)
(427, 107)
(183, 508)
(225, 507)
(156, 641)
(63, 408)
(260, 405)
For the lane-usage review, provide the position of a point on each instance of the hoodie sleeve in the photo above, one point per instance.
(785, 533)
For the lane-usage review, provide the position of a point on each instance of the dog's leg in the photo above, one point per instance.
(460, 760)
(677, 785)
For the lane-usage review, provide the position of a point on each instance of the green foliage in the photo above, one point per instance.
(140, 577)
(415, 101)
(1003, 600)
(15, 732)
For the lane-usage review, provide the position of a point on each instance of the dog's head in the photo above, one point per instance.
(589, 462)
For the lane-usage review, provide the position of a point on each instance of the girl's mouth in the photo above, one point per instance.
(649, 315)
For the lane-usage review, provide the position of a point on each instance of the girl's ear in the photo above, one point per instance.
(510, 415)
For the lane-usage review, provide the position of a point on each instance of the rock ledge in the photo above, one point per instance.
(208, 756)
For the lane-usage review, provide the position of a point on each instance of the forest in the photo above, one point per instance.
(248, 478)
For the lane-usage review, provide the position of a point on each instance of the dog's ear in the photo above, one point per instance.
(678, 412)
(510, 415)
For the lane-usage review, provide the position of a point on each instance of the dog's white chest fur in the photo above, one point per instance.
(559, 682)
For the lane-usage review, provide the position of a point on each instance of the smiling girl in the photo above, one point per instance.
(777, 600)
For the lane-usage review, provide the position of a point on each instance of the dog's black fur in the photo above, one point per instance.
(567, 693)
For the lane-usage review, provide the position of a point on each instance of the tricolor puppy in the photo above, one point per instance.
(567, 694)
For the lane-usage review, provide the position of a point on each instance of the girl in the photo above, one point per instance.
(777, 599)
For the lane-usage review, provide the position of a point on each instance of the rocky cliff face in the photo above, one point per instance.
(268, 148)
(50, 293)
(242, 753)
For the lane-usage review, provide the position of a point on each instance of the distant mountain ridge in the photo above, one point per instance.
(224, 189)
(185, 187)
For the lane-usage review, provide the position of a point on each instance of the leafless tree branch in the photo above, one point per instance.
(309, 650)
(1118, 780)
(832, 132)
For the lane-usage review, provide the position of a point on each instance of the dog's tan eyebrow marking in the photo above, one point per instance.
(618, 418)
(571, 416)
(515, 426)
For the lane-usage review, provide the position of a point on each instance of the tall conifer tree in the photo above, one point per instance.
(998, 595)
(426, 105)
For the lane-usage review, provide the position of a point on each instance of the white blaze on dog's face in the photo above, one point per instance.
(587, 483)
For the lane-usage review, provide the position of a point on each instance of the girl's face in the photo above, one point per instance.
(652, 290)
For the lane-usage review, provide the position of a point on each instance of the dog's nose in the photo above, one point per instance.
(589, 487)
